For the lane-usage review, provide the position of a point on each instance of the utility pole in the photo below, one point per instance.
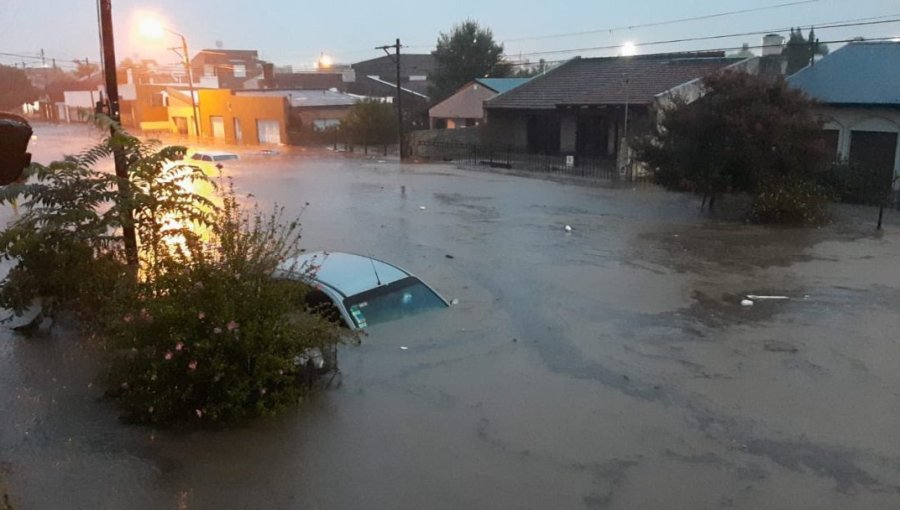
(112, 96)
(396, 46)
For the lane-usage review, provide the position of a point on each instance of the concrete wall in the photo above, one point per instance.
(845, 120)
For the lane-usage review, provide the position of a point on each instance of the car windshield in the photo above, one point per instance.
(405, 297)
(224, 157)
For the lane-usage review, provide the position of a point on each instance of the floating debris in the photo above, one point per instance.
(747, 303)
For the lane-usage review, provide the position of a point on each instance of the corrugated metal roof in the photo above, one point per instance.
(858, 73)
(306, 98)
(615, 80)
(502, 85)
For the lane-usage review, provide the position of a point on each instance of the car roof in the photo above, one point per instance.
(216, 153)
(347, 273)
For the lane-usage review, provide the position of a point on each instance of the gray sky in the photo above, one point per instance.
(297, 31)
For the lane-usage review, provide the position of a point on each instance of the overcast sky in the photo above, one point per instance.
(297, 31)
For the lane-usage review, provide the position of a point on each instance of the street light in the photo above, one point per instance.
(153, 29)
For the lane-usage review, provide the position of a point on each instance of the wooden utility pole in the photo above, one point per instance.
(112, 96)
(396, 46)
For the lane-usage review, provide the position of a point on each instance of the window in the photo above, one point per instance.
(209, 70)
(240, 71)
(157, 100)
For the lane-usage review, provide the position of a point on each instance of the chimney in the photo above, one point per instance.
(772, 45)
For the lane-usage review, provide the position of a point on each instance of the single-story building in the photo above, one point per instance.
(589, 107)
(243, 119)
(318, 110)
(858, 88)
(465, 108)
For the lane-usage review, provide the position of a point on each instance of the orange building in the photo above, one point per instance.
(245, 119)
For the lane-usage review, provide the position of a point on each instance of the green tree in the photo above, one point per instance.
(799, 50)
(15, 88)
(467, 52)
(744, 135)
(371, 122)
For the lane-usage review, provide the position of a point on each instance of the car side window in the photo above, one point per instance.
(317, 302)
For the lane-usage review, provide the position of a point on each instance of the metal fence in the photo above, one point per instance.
(508, 158)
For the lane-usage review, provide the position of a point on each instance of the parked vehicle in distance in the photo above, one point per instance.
(214, 156)
(361, 291)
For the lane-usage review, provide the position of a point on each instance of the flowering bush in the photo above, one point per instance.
(791, 201)
(197, 330)
(212, 338)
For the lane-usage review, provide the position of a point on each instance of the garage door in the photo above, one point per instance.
(269, 131)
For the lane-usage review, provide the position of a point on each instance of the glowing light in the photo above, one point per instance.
(629, 49)
(151, 28)
(325, 62)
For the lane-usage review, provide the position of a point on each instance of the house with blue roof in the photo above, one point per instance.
(465, 108)
(858, 90)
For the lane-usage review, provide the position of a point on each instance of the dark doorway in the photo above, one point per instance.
(543, 134)
(591, 137)
(874, 152)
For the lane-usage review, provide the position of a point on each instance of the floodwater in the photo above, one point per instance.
(611, 367)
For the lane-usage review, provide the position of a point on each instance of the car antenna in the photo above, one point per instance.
(377, 278)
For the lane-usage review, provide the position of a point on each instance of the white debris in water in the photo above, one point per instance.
(568, 228)
(422, 208)
(454, 302)
(747, 303)
(404, 348)
(767, 298)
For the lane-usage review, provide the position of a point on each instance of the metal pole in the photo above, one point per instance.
(190, 75)
(112, 94)
(400, 104)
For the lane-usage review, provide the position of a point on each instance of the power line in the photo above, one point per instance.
(712, 37)
(701, 51)
(663, 23)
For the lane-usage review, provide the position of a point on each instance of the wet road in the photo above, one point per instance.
(612, 367)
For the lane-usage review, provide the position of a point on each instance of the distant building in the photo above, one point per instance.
(228, 69)
(465, 108)
(316, 110)
(858, 88)
(590, 107)
(243, 118)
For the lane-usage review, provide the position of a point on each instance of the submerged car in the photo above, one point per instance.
(214, 156)
(362, 291)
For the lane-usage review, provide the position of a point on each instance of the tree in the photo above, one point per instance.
(84, 68)
(371, 122)
(743, 135)
(467, 52)
(15, 88)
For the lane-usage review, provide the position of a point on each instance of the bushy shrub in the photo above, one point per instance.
(856, 185)
(197, 329)
(790, 201)
(212, 338)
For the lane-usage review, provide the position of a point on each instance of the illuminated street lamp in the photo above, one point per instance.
(153, 29)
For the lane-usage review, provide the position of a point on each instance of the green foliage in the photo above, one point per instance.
(467, 52)
(67, 243)
(213, 339)
(790, 201)
(371, 122)
(199, 331)
(741, 136)
(15, 88)
(855, 184)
